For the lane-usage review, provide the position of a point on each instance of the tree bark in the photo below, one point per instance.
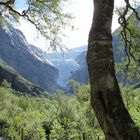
(106, 99)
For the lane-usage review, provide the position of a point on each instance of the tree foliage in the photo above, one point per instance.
(47, 16)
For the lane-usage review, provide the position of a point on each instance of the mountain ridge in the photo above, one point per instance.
(22, 57)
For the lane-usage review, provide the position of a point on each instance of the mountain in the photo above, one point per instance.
(72, 63)
(81, 74)
(17, 82)
(65, 62)
(26, 59)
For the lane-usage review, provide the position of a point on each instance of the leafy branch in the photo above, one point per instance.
(127, 32)
(47, 16)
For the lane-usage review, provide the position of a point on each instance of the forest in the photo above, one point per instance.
(57, 117)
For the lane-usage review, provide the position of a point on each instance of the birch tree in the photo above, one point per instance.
(106, 99)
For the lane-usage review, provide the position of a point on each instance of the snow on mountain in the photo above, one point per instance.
(65, 62)
(26, 59)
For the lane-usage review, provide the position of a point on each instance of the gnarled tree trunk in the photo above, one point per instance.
(106, 99)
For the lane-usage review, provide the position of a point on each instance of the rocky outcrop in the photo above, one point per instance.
(17, 53)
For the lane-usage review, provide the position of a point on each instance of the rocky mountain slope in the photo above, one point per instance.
(16, 81)
(26, 60)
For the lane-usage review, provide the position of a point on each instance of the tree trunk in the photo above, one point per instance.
(106, 99)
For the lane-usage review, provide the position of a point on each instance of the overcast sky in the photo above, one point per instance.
(82, 10)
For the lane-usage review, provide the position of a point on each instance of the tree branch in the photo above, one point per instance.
(25, 15)
(46, 16)
(126, 31)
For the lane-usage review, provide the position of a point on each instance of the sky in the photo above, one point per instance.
(82, 11)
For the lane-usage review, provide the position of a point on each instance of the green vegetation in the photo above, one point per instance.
(58, 117)
(129, 48)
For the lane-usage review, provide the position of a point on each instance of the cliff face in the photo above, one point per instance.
(22, 57)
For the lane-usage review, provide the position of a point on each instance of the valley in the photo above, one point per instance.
(46, 95)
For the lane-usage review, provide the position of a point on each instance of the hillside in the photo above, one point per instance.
(26, 60)
(16, 81)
